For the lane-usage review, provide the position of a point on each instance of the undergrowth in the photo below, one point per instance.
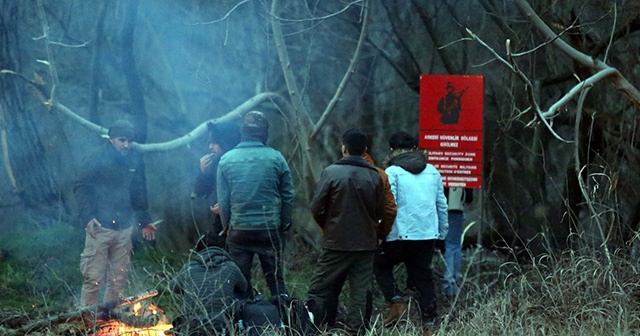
(568, 293)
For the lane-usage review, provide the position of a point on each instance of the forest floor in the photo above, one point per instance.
(567, 293)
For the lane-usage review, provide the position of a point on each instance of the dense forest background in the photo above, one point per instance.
(561, 124)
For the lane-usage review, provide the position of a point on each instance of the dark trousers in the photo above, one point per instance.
(333, 269)
(268, 245)
(416, 255)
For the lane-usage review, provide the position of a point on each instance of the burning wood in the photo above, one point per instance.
(125, 317)
(140, 320)
(115, 328)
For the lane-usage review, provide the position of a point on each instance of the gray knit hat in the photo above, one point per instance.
(121, 128)
(255, 127)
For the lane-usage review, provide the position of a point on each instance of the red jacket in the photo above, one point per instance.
(390, 206)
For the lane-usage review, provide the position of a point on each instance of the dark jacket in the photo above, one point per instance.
(205, 183)
(111, 188)
(348, 203)
(209, 284)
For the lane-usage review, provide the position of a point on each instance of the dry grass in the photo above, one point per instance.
(570, 293)
(567, 294)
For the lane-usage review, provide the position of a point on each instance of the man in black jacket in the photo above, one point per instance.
(111, 197)
(223, 137)
(348, 204)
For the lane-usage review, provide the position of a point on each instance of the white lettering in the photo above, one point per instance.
(438, 158)
(462, 178)
(449, 137)
(469, 138)
(461, 159)
(457, 184)
(448, 144)
(463, 172)
(431, 137)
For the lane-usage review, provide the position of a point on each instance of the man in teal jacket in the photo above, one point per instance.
(255, 199)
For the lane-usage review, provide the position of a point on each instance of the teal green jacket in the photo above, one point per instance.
(255, 188)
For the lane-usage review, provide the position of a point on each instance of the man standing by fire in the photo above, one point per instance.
(110, 192)
(255, 199)
(223, 137)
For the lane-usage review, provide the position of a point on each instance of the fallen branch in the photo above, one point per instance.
(90, 314)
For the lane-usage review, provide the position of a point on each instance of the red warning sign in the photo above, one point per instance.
(451, 127)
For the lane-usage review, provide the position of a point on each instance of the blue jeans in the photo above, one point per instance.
(453, 253)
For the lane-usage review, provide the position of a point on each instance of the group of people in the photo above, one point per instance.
(371, 220)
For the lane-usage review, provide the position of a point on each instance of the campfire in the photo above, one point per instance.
(134, 319)
(132, 316)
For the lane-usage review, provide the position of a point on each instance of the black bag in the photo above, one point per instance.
(295, 315)
(253, 317)
(195, 327)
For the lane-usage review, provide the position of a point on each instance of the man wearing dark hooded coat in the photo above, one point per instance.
(209, 283)
(223, 137)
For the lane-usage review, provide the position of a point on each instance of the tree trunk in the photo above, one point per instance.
(37, 172)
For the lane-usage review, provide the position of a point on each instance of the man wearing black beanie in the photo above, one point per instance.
(255, 196)
(111, 198)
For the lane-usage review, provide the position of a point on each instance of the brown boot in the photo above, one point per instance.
(396, 310)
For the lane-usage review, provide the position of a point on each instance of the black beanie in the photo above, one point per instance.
(255, 127)
(121, 128)
(226, 134)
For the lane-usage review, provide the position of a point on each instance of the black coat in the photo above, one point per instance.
(111, 188)
(210, 283)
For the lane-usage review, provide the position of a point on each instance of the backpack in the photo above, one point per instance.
(295, 315)
(254, 316)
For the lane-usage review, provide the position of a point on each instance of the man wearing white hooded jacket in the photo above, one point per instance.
(421, 219)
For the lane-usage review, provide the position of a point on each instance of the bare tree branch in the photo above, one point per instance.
(620, 81)
(285, 62)
(201, 129)
(578, 169)
(603, 70)
(347, 75)
(225, 16)
(50, 58)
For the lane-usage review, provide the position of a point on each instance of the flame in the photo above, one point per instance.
(115, 328)
(136, 308)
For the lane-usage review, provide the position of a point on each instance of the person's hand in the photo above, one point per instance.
(440, 246)
(149, 232)
(92, 226)
(205, 161)
(215, 209)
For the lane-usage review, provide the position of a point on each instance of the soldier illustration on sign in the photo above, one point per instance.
(449, 106)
